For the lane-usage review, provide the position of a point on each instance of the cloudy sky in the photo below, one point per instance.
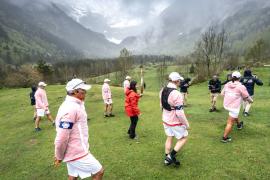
(115, 18)
(122, 13)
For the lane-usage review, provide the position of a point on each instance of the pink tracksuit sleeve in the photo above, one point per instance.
(106, 91)
(62, 137)
(41, 99)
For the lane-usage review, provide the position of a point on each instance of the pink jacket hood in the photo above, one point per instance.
(234, 93)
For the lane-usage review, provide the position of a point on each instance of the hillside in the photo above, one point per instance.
(247, 26)
(28, 155)
(24, 40)
(180, 25)
(36, 30)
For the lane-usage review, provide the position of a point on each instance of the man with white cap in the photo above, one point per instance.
(107, 98)
(234, 93)
(71, 142)
(42, 105)
(174, 120)
(126, 83)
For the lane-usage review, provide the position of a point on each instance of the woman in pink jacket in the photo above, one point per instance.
(71, 141)
(234, 93)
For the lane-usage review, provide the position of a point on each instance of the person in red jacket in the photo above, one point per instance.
(131, 107)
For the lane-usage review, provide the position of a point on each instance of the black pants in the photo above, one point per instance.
(132, 127)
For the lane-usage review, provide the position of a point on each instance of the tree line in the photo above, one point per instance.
(29, 74)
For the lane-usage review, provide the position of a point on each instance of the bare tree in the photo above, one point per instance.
(124, 63)
(162, 72)
(209, 51)
(256, 51)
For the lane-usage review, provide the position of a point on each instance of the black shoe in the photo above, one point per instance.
(246, 114)
(167, 161)
(226, 140)
(240, 125)
(106, 116)
(211, 110)
(111, 115)
(37, 129)
(171, 160)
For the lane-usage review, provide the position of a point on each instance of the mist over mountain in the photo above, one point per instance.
(173, 29)
(102, 28)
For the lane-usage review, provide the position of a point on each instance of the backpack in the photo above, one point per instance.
(164, 98)
(32, 98)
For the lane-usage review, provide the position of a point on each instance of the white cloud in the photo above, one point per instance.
(114, 40)
(159, 8)
(124, 23)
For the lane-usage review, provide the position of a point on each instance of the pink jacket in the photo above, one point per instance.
(41, 99)
(174, 117)
(71, 141)
(234, 93)
(106, 91)
(126, 85)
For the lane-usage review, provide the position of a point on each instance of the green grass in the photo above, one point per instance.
(29, 155)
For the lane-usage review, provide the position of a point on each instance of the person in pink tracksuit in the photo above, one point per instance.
(71, 141)
(174, 120)
(42, 105)
(107, 98)
(126, 83)
(234, 93)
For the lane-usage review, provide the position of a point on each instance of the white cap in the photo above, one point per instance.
(236, 74)
(77, 84)
(42, 84)
(175, 76)
(107, 80)
(128, 77)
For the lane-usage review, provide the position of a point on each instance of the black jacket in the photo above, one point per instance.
(214, 86)
(249, 83)
(184, 86)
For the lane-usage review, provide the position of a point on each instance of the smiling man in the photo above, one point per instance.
(71, 142)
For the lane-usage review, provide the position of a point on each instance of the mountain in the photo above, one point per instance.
(43, 28)
(248, 25)
(61, 30)
(21, 38)
(51, 18)
(180, 26)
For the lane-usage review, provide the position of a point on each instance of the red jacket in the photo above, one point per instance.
(131, 103)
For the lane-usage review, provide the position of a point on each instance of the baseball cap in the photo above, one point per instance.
(175, 76)
(236, 74)
(42, 84)
(77, 84)
(128, 77)
(107, 80)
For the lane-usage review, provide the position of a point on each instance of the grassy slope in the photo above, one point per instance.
(29, 155)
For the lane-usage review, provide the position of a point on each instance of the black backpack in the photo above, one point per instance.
(164, 98)
(32, 98)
